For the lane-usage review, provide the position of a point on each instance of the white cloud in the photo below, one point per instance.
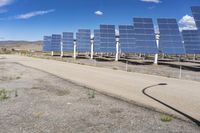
(187, 23)
(151, 1)
(5, 2)
(33, 14)
(99, 13)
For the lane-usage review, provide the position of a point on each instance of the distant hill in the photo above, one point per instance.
(20, 42)
(22, 45)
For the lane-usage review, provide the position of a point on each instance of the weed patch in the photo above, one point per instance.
(91, 94)
(166, 118)
(4, 94)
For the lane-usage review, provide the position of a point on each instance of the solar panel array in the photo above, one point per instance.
(47, 44)
(56, 43)
(127, 39)
(97, 40)
(83, 40)
(170, 37)
(137, 38)
(107, 38)
(192, 41)
(68, 41)
(196, 15)
(145, 36)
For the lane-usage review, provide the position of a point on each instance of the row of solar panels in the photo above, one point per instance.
(137, 38)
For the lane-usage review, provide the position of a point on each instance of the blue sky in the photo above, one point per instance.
(31, 19)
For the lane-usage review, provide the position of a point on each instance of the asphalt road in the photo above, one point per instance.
(181, 94)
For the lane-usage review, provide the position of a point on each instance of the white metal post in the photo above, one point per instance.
(156, 55)
(117, 50)
(180, 73)
(156, 59)
(92, 49)
(194, 57)
(52, 53)
(74, 50)
(62, 53)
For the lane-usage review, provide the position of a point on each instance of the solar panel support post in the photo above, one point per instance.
(180, 72)
(156, 59)
(117, 50)
(92, 49)
(194, 57)
(74, 50)
(52, 53)
(61, 53)
(156, 55)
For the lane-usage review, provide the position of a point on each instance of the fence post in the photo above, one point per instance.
(180, 72)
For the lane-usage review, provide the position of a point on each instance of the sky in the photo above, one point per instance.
(32, 19)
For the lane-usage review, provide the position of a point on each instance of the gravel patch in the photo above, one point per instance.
(48, 104)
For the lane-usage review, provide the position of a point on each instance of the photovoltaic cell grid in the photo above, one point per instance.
(192, 41)
(97, 40)
(47, 43)
(170, 37)
(196, 15)
(68, 41)
(145, 36)
(83, 40)
(56, 43)
(107, 38)
(127, 39)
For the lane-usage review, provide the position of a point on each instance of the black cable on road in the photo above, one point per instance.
(176, 110)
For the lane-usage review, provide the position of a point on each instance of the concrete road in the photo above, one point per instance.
(181, 94)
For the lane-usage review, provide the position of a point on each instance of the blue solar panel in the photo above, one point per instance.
(47, 43)
(83, 39)
(56, 43)
(145, 36)
(196, 15)
(127, 39)
(107, 38)
(68, 41)
(170, 37)
(192, 41)
(96, 40)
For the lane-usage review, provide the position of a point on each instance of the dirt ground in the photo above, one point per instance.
(159, 70)
(43, 103)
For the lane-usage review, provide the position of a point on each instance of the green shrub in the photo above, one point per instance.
(166, 118)
(129, 70)
(115, 68)
(4, 94)
(91, 94)
(18, 77)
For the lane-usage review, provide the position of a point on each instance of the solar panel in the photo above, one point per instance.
(107, 38)
(127, 39)
(145, 36)
(56, 43)
(96, 40)
(196, 15)
(68, 41)
(192, 41)
(83, 40)
(170, 37)
(47, 43)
